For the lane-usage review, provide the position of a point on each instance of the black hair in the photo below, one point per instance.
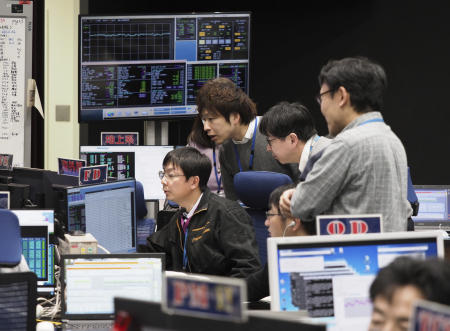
(285, 118)
(364, 80)
(191, 162)
(222, 96)
(274, 200)
(430, 276)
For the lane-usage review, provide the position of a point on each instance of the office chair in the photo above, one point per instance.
(253, 189)
(413, 200)
(145, 226)
(18, 301)
(10, 239)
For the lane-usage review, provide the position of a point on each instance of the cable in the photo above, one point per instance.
(103, 248)
(288, 226)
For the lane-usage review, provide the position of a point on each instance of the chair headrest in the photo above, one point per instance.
(10, 239)
(141, 208)
(254, 187)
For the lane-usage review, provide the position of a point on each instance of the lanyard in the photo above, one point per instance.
(218, 178)
(185, 259)
(370, 121)
(252, 152)
(313, 142)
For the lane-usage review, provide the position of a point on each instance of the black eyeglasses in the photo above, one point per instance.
(162, 174)
(268, 215)
(319, 96)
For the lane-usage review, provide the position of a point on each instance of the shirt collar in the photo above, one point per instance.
(364, 117)
(248, 135)
(194, 208)
(305, 153)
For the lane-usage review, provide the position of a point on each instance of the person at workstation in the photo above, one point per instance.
(199, 139)
(404, 281)
(364, 168)
(229, 118)
(278, 226)
(291, 134)
(209, 234)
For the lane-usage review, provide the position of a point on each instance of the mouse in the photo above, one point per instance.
(45, 326)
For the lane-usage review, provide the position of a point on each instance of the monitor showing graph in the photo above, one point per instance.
(152, 66)
(330, 276)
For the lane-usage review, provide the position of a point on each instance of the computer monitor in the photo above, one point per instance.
(434, 207)
(139, 162)
(36, 227)
(330, 276)
(107, 211)
(91, 281)
(152, 66)
(41, 194)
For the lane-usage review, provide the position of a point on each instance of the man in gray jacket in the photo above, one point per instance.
(364, 169)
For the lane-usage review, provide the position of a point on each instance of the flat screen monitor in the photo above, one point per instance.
(434, 207)
(152, 66)
(36, 226)
(139, 162)
(91, 281)
(107, 211)
(330, 276)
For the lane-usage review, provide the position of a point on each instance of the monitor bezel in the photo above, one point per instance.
(274, 243)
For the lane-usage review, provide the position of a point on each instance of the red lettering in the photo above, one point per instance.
(96, 174)
(336, 227)
(109, 140)
(199, 296)
(87, 174)
(180, 292)
(129, 140)
(64, 164)
(120, 140)
(358, 226)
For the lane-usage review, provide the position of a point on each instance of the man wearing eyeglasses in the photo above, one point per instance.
(209, 234)
(229, 118)
(364, 169)
(291, 134)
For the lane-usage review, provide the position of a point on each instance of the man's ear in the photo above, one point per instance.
(235, 118)
(292, 138)
(344, 96)
(194, 182)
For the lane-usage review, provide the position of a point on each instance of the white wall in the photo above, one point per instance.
(61, 79)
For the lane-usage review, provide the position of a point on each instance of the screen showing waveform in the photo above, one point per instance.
(127, 39)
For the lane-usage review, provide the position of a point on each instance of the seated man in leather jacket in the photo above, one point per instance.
(209, 234)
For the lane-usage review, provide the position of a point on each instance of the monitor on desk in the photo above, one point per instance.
(36, 227)
(330, 276)
(91, 281)
(434, 207)
(107, 211)
(139, 162)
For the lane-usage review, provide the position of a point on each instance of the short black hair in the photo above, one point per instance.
(192, 162)
(364, 79)
(430, 276)
(285, 118)
(274, 200)
(222, 96)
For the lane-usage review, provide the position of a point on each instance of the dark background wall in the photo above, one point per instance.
(289, 46)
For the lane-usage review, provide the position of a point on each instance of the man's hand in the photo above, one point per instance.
(285, 202)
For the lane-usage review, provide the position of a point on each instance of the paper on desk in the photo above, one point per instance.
(33, 96)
